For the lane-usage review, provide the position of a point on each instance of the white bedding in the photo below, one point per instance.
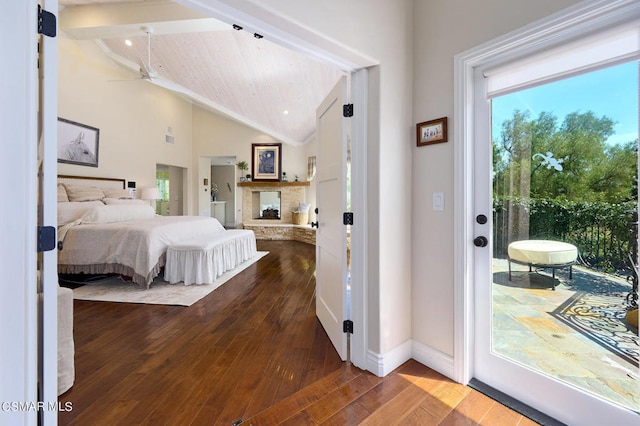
(135, 248)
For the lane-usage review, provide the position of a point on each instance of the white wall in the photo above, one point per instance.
(133, 115)
(443, 28)
(217, 136)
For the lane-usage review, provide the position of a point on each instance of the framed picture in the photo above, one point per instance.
(77, 143)
(266, 162)
(433, 131)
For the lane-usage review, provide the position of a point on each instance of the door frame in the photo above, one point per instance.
(575, 21)
(48, 303)
(20, 304)
(294, 36)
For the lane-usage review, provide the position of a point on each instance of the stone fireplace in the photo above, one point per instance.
(268, 226)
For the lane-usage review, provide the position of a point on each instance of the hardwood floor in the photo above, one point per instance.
(253, 350)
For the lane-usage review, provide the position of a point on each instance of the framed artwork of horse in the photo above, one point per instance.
(77, 143)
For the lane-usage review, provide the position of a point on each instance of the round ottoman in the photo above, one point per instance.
(543, 254)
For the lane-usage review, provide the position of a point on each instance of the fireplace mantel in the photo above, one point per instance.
(273, 184)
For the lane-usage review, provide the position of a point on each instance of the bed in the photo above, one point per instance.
(102, 229)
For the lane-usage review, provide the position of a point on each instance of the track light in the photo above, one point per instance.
(237, 27)
(258, 36)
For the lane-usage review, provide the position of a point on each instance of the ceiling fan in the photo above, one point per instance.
(146, 71)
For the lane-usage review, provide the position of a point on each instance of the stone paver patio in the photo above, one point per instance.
(576, 333)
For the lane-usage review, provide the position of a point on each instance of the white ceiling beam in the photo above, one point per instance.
(101, 21)
(280, 29)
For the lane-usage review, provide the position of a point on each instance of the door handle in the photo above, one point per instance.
(480, 241)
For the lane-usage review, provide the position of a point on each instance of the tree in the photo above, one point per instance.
(572, 161)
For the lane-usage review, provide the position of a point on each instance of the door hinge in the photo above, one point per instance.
(347, 110)
(347, 218)
(46, 238)
(46, 22)
(347, 326)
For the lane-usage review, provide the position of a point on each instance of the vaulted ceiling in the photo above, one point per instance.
(233, 72)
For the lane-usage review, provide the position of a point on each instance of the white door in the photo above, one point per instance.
(538, 382)
(331, 249)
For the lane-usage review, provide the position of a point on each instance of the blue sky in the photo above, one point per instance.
(612, 92)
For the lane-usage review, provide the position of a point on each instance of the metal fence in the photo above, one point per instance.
(605, 234)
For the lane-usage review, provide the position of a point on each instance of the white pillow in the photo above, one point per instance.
(83, 193)
(304, 207)
(62, 194)
(117, 213)
(124, 201)
(74, 210)
(117, 193)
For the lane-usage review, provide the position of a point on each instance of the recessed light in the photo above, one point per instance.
(285, 112)
(128, 43)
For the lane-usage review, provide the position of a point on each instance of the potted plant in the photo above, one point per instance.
(242, 165)
(248, 176)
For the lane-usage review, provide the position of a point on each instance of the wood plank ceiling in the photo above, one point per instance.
(252, 80)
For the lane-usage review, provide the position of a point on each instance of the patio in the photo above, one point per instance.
(576, 333)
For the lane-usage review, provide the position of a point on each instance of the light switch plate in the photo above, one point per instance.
(438, 201)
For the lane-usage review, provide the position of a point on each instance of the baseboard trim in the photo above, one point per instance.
(432, 358)
(383, 364)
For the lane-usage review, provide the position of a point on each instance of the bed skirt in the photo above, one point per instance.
(202, 260)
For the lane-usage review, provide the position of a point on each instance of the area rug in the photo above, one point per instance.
(601, 318)
(113, 289)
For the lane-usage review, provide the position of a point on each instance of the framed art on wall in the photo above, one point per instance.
(266, 162)
(77, 143)
(432, 131)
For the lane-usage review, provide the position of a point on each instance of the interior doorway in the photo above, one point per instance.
(218, 192)
(171, 181)
(223, 190)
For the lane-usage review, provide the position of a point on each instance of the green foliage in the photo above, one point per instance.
(563, 181)
(591, 169)
(603, 232)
